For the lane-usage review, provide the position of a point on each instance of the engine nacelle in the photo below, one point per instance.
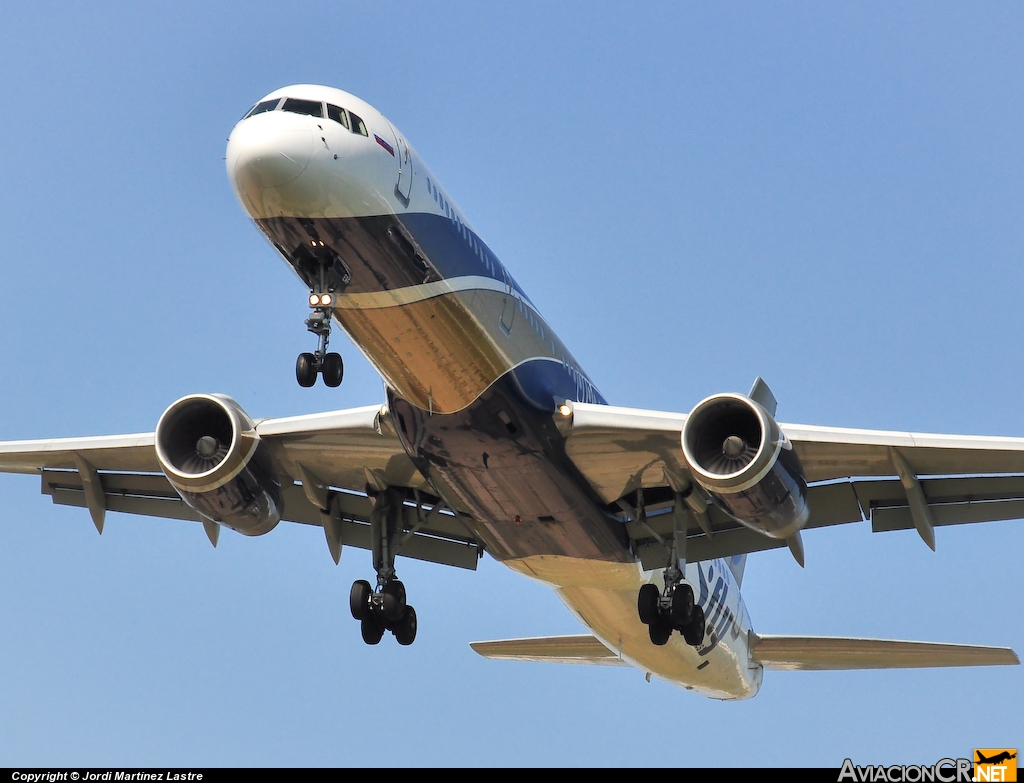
(210, 452)
(736, 451)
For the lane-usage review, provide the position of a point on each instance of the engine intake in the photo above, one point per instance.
(736, 451)
(210, 452)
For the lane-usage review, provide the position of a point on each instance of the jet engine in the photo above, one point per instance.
(210, 452)
(736, 451)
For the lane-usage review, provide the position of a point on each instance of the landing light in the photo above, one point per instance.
(314, 300)
(325, 300)
(565, 409)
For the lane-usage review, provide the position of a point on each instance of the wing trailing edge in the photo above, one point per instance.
(826, 653)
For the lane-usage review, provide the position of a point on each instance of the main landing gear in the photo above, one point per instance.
(330, 365)
(385, 608)
(671, 610)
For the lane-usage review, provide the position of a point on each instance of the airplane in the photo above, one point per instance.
(996, 759)
(492, 439)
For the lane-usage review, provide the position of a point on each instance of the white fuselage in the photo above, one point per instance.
(445, 324)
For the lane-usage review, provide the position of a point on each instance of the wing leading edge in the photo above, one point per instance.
(632, 458)
(325, 461)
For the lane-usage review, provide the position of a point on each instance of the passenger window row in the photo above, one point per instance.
(351, 121)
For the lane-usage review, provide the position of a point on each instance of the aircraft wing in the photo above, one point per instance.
(336, 454)
(550, 649)
(806, 653)
(854, 475)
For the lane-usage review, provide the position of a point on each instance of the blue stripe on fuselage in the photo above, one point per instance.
(455, 250)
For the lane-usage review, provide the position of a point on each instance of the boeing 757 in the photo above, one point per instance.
(492, 439)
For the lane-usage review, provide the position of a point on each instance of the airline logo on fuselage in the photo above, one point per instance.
(585, 391)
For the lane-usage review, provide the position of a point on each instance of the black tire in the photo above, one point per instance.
(372, 631)
(393, 601)
(333, 370)
(694, 632)
(359, 599)
(682, 605)
(647, 604)
(660, 633)
(305, 370)
(405, 631)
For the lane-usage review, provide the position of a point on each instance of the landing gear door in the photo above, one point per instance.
(403, 187)
(508, 308)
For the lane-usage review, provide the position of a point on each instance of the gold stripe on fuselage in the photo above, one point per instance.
(441, 353)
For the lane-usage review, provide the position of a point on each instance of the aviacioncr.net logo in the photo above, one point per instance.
(942, 771)
(995, 764)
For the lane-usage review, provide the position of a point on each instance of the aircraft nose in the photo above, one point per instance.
(268, 150)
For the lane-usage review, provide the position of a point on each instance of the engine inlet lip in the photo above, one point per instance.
(226, 468)
(751, 473)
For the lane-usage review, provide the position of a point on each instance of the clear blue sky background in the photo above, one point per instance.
(828, 195)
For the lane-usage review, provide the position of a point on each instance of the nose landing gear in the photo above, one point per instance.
(330, 365)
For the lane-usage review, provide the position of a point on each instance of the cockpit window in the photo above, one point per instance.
(338, 114)
(299, 106)
(263, 106)
(358, 126)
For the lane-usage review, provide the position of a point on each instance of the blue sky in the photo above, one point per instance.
(827, 195)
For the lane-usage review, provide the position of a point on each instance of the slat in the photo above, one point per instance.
(899, 518)
(446, 540)
(126, 504)
(840, 503)
(145, 484)
(886, 492)
(833, 504)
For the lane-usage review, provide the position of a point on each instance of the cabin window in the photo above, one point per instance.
(263, 106)
(338, 114)
(298, 106)
(358, 126)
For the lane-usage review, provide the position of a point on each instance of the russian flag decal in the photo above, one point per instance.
(385, 145)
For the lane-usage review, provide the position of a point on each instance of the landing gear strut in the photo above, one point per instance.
(384, 608)
(330, 365)
(672, 609)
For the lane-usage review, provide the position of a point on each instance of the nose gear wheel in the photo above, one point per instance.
(329, 365)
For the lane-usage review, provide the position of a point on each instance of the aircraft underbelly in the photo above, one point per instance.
(504, 463)
(603, 596)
